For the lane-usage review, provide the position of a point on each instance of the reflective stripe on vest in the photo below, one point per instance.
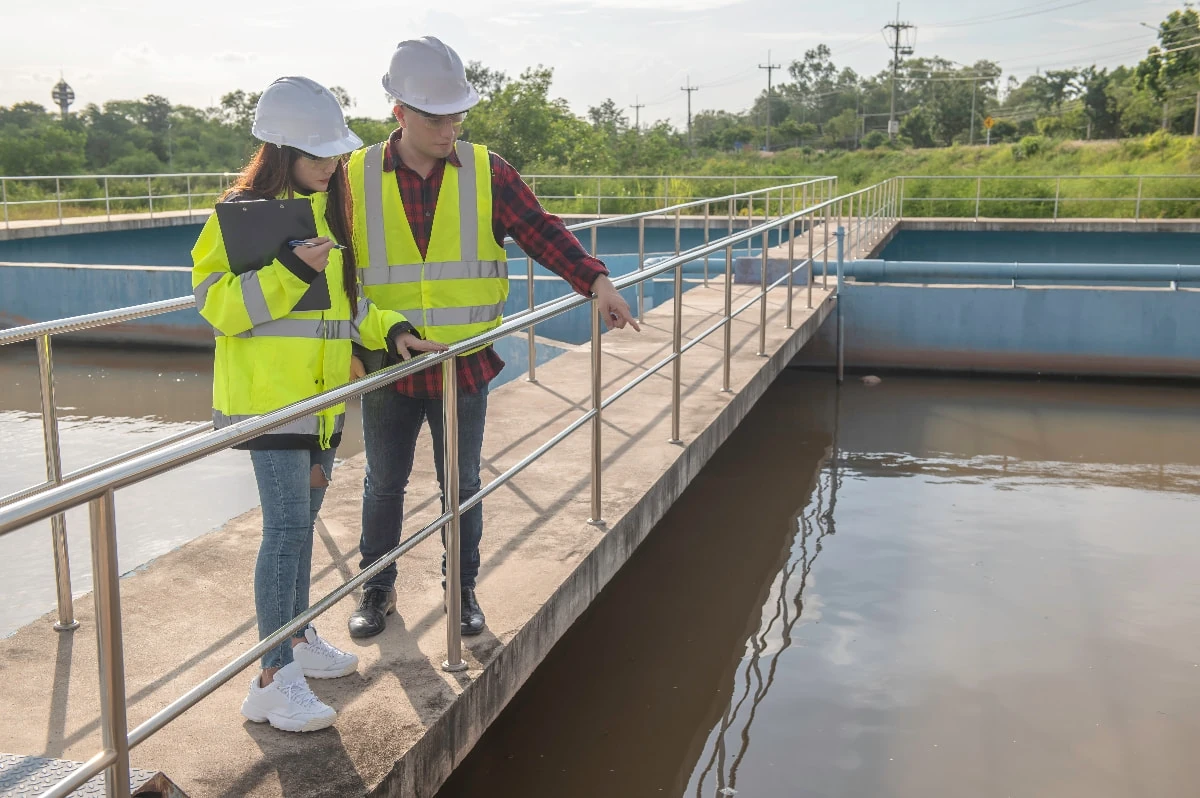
(306, 425)
(447, 270)
(298, 328)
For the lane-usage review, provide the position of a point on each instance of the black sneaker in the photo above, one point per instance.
(371, 616)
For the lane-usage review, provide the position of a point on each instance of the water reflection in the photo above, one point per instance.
(814, 523)
(988, 589)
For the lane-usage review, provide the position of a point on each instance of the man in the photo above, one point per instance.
(430, 216)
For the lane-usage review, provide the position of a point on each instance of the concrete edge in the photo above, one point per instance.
(427, 765)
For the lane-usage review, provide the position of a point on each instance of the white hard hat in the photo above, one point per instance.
(299, 112)
(429, 76)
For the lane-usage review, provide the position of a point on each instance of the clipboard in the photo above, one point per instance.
(254, 230)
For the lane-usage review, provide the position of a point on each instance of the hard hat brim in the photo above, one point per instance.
(346, 144)
(465, 104)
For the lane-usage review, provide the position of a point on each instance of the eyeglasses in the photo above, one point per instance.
(317, 159)
(438, 122)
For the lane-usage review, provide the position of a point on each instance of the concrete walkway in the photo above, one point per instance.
(403, 722)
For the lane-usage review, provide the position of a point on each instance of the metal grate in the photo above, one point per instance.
(22, 776)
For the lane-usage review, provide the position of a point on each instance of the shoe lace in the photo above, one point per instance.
(324, 649)
(298, 693)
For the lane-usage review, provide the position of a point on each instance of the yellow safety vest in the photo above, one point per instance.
(269, 355)
(459, 288)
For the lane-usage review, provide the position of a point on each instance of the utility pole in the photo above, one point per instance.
(770, 68)
(898, 50)
(974, 86)
(637, 117)
(689, 88)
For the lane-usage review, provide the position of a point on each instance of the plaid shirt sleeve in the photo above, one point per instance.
(542, 235)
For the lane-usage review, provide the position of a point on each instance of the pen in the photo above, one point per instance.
(306, 244)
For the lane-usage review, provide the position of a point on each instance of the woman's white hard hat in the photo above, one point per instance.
(299, 112)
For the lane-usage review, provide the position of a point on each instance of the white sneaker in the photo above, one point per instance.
(287, 703)
(320, 660)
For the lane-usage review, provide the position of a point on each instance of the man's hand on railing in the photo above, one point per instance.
(613, 308)
(409, 346)
(357, 369)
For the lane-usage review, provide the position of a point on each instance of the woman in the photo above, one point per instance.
(284, 333)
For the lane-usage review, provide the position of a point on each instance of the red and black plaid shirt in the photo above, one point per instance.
(516, 212)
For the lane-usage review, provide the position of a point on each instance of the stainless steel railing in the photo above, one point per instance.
(41, 333)
(98, 487)
(62, 197)
(1051, 195)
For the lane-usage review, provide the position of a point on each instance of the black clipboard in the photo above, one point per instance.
(254, 231)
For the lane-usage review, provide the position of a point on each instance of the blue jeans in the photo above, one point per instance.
(290, 508)
(391, 422)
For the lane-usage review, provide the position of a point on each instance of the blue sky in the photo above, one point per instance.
(624, 49)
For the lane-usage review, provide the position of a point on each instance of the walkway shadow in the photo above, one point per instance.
(316, 758)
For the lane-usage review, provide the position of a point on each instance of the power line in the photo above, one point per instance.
(1008, 15)
(637, 107)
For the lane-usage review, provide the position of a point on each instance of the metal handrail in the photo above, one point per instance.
(99, 487)
(58, 200)
(42, 331)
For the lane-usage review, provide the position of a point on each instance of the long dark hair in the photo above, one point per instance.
(269, 175)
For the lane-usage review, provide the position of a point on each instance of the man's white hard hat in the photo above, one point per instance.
(428, 75)
(299, 112)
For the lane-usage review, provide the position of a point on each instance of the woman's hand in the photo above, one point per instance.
(409, 346)
(316, 256)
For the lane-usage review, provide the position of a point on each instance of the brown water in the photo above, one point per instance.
(110, 402)
(929, 587)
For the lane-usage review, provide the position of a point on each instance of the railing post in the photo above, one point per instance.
(729, 229)
(107, 201)
(1137, 209)
(706, 221)
(106, 594)
(150, 195)
(811, 235)
(749, 222)
(641, 267)
(598, 193)
(804, 188)
(529, 332)
(597, 452)
(978, 195)
(58, 197)
(4, 199)
(453, 530)
(762, 303)
(677, 363)
(188, 186)
(787, 324)
(677, 249)
(1057, 194)
(901, 212)
(825, 252)
(58, 523)
(728, 349)
(841, 331)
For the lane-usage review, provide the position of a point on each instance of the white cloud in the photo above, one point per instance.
(141, 54)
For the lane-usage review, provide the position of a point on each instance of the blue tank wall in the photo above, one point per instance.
(43, 293)
(984, 246)
(171, 246)
(1120, 332)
